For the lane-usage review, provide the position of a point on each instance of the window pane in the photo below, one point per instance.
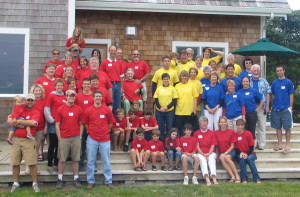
(12, 63)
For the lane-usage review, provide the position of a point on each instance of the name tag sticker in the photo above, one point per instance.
(247, 93)
(184, 144)
(200, 136)
(118, 124)
(139, 145)
(109, 64)
(240, 138)
(234, 96)
(171, 144)
(162, 90)
(130, 124)
(27, 117)
(71, 114)
(153, 147)
(45, 83)
(206, 88)
(146, 125)
(102, 116)
(85, 102)
(250, 74)
(136, 67)
(203, 85)
(282, 87)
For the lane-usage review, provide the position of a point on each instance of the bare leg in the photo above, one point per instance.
(16, 173)
(196, 165)
(127, 136)
(288, 138)
(75, 166)
(115, 139)
(153, 158)
(162, 158)
(227, 167)
(279, 137)
(61, 167)
(133, 157)
(121, 140)
(33, 171)
(185, 164)
(232, 166)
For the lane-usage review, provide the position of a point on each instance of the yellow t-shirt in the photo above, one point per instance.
(222, 76)
(193, 63)
(200, 74)
(198, 85)
(173, 64)
(173, 76)
(206, 61)
(180, 67)
(237, 70)
(165, 96)
(185, 102)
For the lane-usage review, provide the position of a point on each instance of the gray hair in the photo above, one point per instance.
(68, 54)
(207, 67)
(198, 56)
(255, 66)
(94, 59)
(190, 49)
(129, 69)
(203, 118)
(230, 54)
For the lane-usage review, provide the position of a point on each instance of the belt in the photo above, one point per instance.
(115, 82)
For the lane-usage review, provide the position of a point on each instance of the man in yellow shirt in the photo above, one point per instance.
(237, 68)
(206, 56)
(183, 64)
(190, 55)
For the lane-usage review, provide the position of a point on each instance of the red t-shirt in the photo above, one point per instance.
(205, 140)
(224, 139)
(113, 69)
(47, 84)
(140, 69)
(140, 113)
(84, 101)
(155, 146)
(173, 143)
(40, 105)
(28, 114)
(66, 86)
(17, 111)
(76, 63)
(80, 72)
(120, 124)
(106, 98)
(139, 145)
(188, 145)
(59, 62)
(61, 69)
(54, 101)
(69, 118)
(135, 123)
(69, 42)
(97, 119)
(123, 65)
(244, 141)
(149, 123)
(129, 88)
(104, 80)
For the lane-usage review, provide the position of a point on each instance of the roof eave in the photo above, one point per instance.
(179, 8)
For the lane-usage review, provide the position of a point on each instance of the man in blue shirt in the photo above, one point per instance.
(230, 75)
(281, 114)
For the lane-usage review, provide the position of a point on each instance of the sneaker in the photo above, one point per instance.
(36, 188)
(30, 136)
(110, 186)
(9, 141)
(59, 184)
(186, 180)
(194, 180)
(90, 186)
(125, 148)
(77, 183)
(14, 188)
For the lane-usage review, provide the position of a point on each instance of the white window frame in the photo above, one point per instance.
(21, 31)
(201, 45)
(106, 42)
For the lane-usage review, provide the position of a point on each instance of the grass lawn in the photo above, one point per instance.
(267, 188)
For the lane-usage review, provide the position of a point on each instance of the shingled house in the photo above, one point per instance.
(30, 29)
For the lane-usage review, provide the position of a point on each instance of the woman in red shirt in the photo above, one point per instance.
(225, 142)
(76, 40)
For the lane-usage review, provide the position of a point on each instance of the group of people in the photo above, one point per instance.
(77, 105)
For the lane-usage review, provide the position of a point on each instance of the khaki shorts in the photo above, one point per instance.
(23, 148)
(70, 145)
(40, 136)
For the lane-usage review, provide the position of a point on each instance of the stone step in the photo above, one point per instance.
(271, 135)
(296, 127)
(270, 153)
(130, 176)
(294, 144)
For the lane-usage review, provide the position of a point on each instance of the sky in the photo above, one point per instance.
(294, 4)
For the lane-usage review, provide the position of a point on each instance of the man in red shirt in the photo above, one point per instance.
(112, 67)
(141, 70)
(47, 81)
(69, 131)
(23, 147)
(55, 59)
(119, 57)
(98, 120)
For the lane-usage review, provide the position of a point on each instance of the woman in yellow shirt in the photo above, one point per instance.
(197, 84)
(206, 56)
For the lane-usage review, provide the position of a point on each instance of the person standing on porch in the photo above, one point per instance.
(281, 113)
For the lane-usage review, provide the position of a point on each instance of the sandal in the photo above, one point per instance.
(178, 168)
(215, 182)
(231, 181)
(50, 170)
(286, 151)
(237, 180)
(154, 168)
(137, 169)
(41, 157)
(144, 169)
(171, 168)
(163, 168)
(277, 148)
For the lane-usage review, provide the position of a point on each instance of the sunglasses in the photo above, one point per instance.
(55, 53)
(135, 54)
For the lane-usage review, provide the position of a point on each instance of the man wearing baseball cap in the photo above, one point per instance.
(69, 131)
(23, 147)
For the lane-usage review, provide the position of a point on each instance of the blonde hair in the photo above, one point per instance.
(19, 98)
(37, 86)
(68, 67)
(80, 38)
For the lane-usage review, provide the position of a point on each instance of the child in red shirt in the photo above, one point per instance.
(133, 123)
(188, 145)
(137, 106)
(118, 129)
(148, 123)
(156, 148)
(139, 148)
(171, 144)
(17, 111)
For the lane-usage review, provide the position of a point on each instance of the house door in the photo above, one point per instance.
(87, 52)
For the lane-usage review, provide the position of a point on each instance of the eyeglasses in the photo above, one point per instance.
(55, 53)
(30, 100)
(135, 54)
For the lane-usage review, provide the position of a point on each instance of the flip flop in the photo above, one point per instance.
(231, 181)
(286, 151)
(237, 180)
(277, 148)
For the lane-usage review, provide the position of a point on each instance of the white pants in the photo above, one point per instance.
(211, 163)
(232, 123)
(213, 119)
(261, 128)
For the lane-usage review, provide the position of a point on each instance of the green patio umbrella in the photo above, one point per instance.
(264, 47)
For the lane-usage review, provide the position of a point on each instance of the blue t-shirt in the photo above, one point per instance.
(245, 73)
(205, 82)
(250, 96)
(233, 104)
(238, 83)
(255, 84)
(281, 89)
(213, 95)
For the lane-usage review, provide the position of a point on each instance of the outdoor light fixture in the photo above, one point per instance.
(130, 31)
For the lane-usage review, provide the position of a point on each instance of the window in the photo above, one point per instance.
(101, 44)
(177, 46)
(14, 64)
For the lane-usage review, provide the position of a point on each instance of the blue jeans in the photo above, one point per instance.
(165, 122)
(250, 161)
(172, 153)
(116, 89)
(93, 147)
